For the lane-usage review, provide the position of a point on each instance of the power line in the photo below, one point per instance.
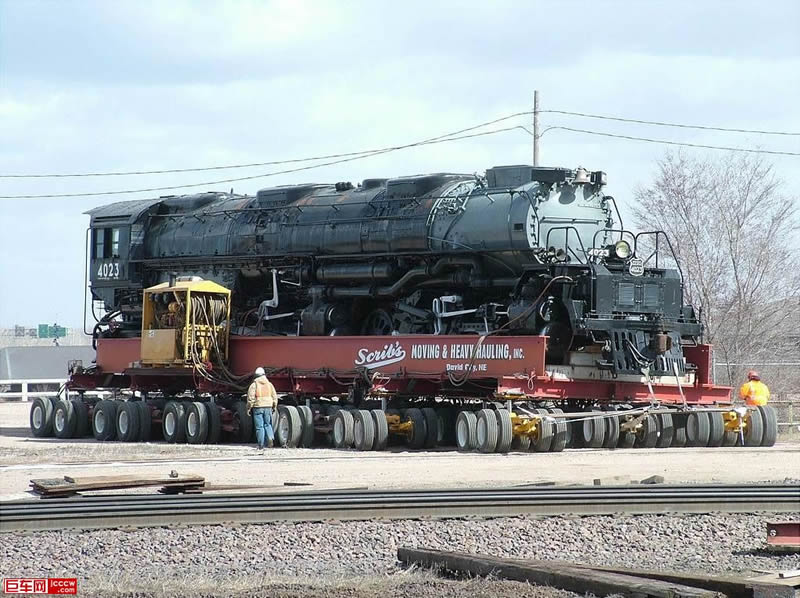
(441, 139)
(681, 143)
(255, 164)
(668, 124)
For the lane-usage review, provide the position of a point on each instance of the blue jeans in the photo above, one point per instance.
(262, 418)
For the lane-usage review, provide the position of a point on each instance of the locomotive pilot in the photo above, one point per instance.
(261, 402)
(754, 392)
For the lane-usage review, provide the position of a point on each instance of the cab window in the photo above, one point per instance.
(105, 243)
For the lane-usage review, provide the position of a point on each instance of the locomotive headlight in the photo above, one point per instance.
(622, 250)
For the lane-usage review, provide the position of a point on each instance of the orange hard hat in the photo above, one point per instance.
(753, 375)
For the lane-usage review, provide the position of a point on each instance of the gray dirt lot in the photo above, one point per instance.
(23, 457)
(357, 558)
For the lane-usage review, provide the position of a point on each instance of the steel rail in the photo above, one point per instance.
(137, 510)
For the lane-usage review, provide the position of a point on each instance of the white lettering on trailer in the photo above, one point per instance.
(391, 353)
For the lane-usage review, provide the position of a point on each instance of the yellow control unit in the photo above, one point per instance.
(185, 323)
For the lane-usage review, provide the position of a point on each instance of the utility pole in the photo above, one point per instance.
(536, 128)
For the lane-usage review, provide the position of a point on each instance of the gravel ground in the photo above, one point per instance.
(226, 555)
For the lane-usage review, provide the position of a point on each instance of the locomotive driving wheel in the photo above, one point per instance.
(378, 322)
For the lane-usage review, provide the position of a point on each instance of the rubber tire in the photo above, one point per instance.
(198, 410)
(560, 434)
(178, 412)
(307, 423)
(419, 432)
(593, 432)
(716, 427)
(487, 421)
(626, 440)
(214, 423)
(505, 431)
(647, 435)
(109, 411)
(546, 434)
(68, 430)
(466, 431)
(45, 429)
(294, 426)
(344, 419)
(81, 418)
(246, 431)
(754, 433)
(130, 412)
(363, 430)
(612, 432)
(730, 438)
(770, 419)
(145, 421)
(381, 430)
(698, 429)
(431, 427)
(447, 419)
(666, 430)
(679, 431)
(521, 443)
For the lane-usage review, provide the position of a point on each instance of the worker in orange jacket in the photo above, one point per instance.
(754, 392)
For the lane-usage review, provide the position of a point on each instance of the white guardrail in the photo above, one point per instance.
(25, 394)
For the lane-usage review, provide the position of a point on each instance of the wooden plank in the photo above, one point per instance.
(54, 487)
(575, 579)
(733, 587)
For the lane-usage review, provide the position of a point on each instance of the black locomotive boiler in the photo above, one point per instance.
(521, 250)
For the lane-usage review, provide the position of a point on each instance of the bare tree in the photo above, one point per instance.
(735, 234)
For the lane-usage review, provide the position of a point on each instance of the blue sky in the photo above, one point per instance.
(98, 86)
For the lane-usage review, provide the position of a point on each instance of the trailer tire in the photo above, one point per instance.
(698, 429)
(647, 435)
(419, 433)
(521, 443)
(627, 439)
(145, 421)
(173, 422)
(381, 430)
(754, 432)
(487, 431)
(41, 417)
(196, 423)
(127, 421)
(544, 439)
(431, 427)
(363, 430)
(666, 430)
(81, 418)
(505, 431)
(307, 424)
(716, 428)
(289, 429)
(244, 430)
(770, 418)
(214, 422)
(561, 431)
(466, 431)
(679, 430)
(447, 422)
(612, 432)
(64, 420)
(593, 431)
(104, 420)
(730, 438)
(343, 429)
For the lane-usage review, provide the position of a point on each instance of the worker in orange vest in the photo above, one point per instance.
(754, 392)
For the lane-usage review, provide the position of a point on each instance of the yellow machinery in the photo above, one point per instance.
(185, 323)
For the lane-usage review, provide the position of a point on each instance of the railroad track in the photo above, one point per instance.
(137, 510)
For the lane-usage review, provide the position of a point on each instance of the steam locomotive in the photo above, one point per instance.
(520, 250)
